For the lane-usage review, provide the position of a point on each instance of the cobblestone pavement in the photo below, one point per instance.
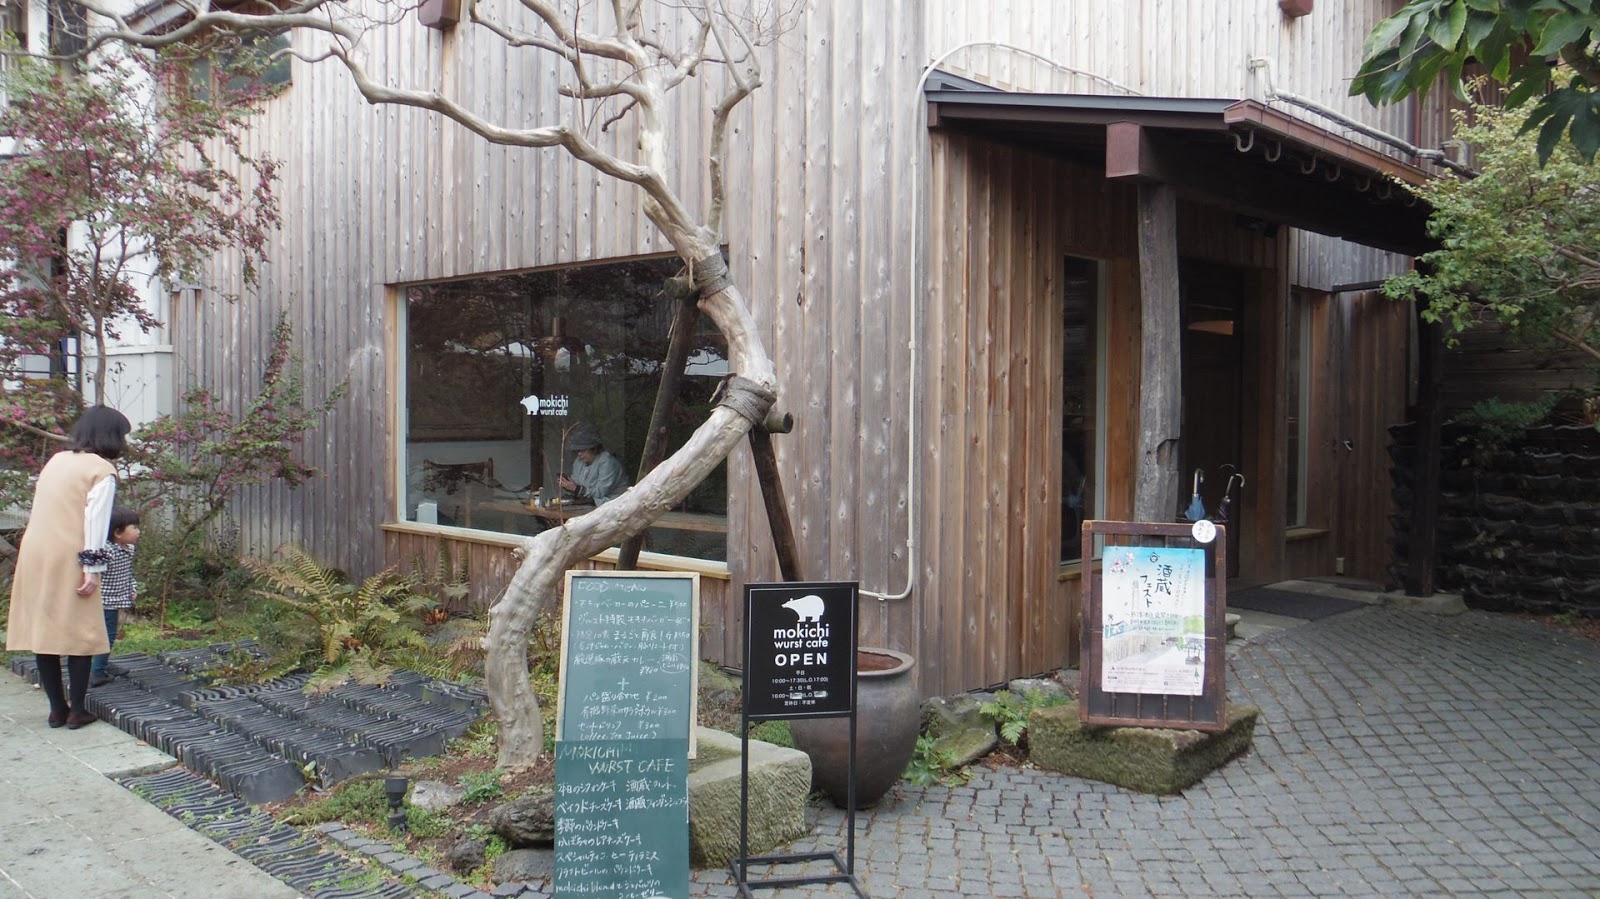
(1398, 754)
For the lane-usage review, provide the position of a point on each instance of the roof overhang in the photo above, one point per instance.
(1239, 155)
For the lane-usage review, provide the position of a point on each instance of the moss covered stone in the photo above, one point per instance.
(1147, 759)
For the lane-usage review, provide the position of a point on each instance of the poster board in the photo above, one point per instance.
(624, 733)
(1154, 626)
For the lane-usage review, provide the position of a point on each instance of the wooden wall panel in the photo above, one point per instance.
(1489, 362)
(855, 234)
(487, 561)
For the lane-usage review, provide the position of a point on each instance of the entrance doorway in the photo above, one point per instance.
(1212, 298)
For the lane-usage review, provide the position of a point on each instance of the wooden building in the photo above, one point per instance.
(935, 214)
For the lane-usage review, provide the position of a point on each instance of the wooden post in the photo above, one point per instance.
(1155, 496)
(679, 346)
(772, 496)
(1424, 536)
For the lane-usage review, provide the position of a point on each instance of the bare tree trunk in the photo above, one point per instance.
(536, 586)
(623, 60)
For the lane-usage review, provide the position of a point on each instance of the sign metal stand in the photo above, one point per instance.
(799, 662)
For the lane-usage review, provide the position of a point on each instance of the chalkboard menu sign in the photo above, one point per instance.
(622, 818)
(628, 656)
(800, 650)
(624, 732)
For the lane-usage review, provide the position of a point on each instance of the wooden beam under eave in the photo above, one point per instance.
(1130, 155)
(1155, 495)
(1227, 180)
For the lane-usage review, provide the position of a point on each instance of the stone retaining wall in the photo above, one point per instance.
(1519, 525)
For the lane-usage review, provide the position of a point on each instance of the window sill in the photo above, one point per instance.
(648, 561)
(1294, 535)
(1073, 571)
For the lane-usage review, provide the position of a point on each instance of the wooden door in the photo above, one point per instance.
(1213, 417)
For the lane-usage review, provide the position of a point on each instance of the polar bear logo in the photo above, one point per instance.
(807, 608)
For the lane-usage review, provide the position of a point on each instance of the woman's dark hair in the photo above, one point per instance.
(121, 517)
(101, 430)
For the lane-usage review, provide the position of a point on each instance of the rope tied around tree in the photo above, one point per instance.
(710, 276)
(745, 397)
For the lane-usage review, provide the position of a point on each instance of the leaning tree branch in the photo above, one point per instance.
(1578, 257)
(582, 41)
(742, 87)
(1579, 56)
(1576, 343)
(519, 39)
(37, 431)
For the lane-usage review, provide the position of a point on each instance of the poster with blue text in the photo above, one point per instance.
(1153, 620)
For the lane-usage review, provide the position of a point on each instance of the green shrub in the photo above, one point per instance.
(774, 732)
(480, 787)
(1499, 422)
(931, 765)
(357, 800)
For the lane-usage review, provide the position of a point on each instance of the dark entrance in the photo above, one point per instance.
(1213, 416)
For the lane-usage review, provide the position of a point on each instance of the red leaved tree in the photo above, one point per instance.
(112, 183)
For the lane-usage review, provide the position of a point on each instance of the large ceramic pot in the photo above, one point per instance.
(888, 717)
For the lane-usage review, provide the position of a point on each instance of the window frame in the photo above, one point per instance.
(1097, 373)
(405, 451)
(1297, 342)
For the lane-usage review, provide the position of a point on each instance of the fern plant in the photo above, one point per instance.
(444, 580)
(1010, 712)
(361, 629)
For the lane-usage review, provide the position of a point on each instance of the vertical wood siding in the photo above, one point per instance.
(825, 238)
(995, 600)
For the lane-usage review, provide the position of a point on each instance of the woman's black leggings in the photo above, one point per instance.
(50, 680)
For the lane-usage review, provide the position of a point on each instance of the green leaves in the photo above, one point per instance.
(1520, 242)
(1519, 43)
(1570, 110)
(1560, 30)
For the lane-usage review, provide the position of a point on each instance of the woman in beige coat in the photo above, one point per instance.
(55, 593)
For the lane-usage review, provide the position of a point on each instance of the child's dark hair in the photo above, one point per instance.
(121, 517)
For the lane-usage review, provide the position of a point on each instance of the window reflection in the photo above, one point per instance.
(499, 371)
(1080, 291)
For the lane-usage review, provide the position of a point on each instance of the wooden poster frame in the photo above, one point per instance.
(1206, 712)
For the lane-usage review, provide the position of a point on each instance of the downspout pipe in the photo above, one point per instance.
(917, 212)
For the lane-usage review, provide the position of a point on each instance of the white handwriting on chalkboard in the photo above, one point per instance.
(565, 823)
(622, 619)
(570, 751)
(603, 585)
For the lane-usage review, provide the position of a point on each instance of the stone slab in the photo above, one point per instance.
(1155, 760)
(780, 781)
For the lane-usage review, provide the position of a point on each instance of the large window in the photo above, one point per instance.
(504, 373)
(1081, 471)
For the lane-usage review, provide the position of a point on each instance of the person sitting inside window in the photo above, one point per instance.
(597, 475)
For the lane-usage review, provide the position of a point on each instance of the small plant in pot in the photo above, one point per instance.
(888, 717)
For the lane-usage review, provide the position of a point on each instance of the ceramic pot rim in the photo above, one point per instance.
(906, 662)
